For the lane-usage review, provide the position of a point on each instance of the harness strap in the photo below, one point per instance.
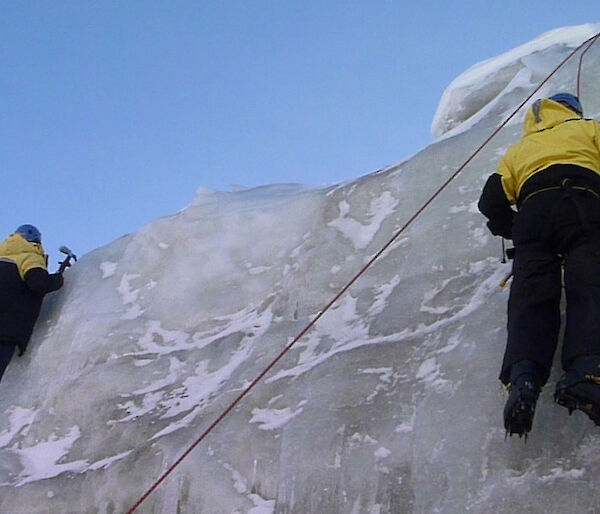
(568, 188)
(564, 186)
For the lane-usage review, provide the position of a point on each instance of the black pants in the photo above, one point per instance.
(554, 228)
(7, 349)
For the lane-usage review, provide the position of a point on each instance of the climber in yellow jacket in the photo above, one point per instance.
(24, 281)
(552, 176)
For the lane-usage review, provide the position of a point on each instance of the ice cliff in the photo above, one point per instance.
(481, 91)
(389, 405)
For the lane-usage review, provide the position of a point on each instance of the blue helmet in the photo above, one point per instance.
(30, 233)
(571, 101)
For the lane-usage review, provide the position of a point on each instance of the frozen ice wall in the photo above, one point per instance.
(485, 90)
(389, 405)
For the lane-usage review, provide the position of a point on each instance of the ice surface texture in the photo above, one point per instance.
(479, 91)
(388, 405)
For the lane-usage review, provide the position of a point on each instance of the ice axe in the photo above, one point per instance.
(505, 280)
(67, 262)
(510, 254)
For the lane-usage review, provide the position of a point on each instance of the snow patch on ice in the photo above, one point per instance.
(43, 460)
(272, 419)
(108, 269)
(19, 420)
(173, 396)
(261, 506)
(382, 453)
(429, 370)
(351, 330)
(129, 296)
(382, 293)
(362, 234)
(474, 93)
(160, 341)
(107, 462)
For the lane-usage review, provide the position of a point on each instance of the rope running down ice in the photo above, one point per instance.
(580, 67)
(259, 378)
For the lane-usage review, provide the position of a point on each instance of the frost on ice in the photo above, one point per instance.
(388, 405)
(483, 89)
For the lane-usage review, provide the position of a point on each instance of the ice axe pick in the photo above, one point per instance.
(67, 261)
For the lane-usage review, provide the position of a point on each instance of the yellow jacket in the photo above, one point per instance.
(24, 254)
(552, 134)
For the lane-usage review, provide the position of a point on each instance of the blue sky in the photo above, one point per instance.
(113, 113)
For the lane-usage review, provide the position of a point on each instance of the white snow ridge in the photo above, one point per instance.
(387, 406)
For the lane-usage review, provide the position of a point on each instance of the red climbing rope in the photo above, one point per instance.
(259, 378)
(591, 41)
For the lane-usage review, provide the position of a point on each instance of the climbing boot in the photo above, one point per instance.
(579, 387)
(523, 392)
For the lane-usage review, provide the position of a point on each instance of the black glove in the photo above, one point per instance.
(494, 205)
(55, 281)
(502, 229)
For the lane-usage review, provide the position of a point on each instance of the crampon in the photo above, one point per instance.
(520, 406)
(576, 391)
